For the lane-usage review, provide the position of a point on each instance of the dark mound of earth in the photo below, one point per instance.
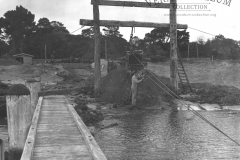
(116, 88)
(217, 94)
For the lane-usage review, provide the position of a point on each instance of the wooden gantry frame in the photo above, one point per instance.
(96, 22)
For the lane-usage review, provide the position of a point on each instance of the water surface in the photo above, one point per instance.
(165, 135)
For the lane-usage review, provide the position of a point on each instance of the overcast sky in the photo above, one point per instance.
(224, 19)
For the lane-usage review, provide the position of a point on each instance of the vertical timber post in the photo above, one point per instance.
(97, 72)
(34, 86)
(173, 46)
(197, 49)
(1, 150)
(19, 116)
(45, 48)
(106, 49)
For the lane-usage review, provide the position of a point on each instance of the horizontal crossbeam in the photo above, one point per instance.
(86, 22)
(133, 4)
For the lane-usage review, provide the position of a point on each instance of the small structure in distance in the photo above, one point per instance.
(24, 58)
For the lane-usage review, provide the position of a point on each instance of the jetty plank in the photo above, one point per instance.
(92, 144)
(30, 141)
(56, 134)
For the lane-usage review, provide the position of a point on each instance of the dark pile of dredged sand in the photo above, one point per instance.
(116, 89)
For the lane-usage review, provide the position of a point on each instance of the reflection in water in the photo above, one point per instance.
(157, 134)
(174, 124)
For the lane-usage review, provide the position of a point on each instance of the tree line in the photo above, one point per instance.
(19, 33)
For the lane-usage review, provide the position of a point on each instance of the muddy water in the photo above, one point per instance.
(3, 136)
(163, 135)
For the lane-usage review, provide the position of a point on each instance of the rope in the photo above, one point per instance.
(77, 29)
(130, 41)
(183, 103)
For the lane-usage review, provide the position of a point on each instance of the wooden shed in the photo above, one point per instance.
(24, 58)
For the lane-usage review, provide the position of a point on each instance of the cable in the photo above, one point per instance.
(184, 104)
(130, 40)
(174, 95)
(203, 32)
(211, 35)
(77, 29)
(195, 112)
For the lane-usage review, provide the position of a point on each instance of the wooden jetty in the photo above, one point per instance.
(58, 133)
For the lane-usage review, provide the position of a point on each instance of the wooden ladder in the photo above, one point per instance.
(182, 75)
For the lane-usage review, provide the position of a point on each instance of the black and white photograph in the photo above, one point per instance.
(119, 80)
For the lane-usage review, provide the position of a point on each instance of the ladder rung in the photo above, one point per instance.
(183, 78)
(184, 82)
(182, 74)
(181, 71)
(181, 68)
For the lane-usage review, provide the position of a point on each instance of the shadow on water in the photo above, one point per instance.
(158, 134)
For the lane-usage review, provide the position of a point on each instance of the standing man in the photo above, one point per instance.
(137, 78)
